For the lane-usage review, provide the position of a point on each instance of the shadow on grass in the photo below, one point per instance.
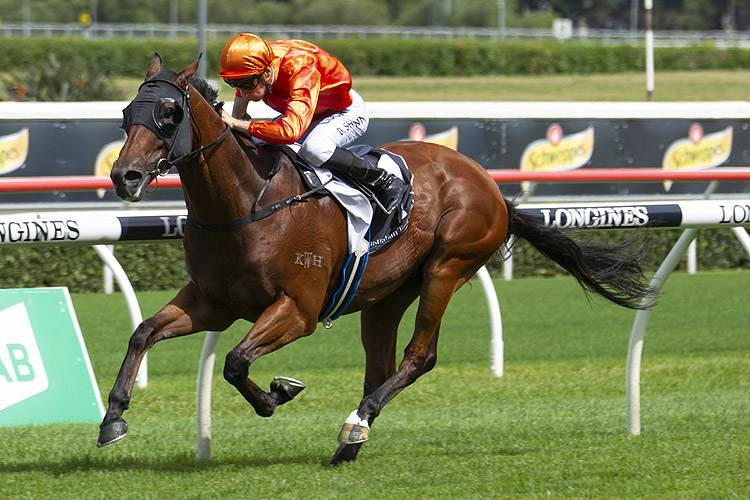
(187, 462)
(181, 462)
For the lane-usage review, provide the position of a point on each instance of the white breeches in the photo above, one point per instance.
(335, 131)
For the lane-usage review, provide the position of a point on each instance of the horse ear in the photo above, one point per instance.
(154, 66)
(183, 77)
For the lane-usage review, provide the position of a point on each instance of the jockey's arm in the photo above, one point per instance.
(239, 108)
(238, 120)
(300, 106)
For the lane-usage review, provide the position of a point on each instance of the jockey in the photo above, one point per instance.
(312, 91)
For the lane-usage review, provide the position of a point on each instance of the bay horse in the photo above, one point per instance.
(245, 267)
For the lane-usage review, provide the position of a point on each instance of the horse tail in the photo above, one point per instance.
(612, 271)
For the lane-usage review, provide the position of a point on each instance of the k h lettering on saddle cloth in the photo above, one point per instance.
(312, 91)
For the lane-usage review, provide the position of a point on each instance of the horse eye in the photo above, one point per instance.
(167, 115)
(171, 114)
(165, 112)
(166, 118)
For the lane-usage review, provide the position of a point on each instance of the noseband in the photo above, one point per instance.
(145, 109)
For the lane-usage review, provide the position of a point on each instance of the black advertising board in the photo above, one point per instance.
(496, 135)
(60, 148)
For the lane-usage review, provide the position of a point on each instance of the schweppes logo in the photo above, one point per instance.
(105, 159)
(558, 151)
(698, 151)
(13, 150)
(447, 138)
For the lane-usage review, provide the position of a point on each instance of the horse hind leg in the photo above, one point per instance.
(347, 452)
(420, 354)
(379, 329)
(464, 243)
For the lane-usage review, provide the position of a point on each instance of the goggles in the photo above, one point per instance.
(246, 83)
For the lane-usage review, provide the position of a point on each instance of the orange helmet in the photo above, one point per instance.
(244, 55)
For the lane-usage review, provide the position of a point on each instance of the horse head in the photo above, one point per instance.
(157, 124)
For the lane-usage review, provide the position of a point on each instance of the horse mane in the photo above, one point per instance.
(209, 93)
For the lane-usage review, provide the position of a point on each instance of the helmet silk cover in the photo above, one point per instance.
(244, 55)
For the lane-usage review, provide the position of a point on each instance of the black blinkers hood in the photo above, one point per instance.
(144, 110)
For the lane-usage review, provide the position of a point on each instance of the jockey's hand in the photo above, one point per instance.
(234, 123)
(228, 119)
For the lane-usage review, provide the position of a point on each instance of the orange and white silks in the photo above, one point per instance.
(309, 84)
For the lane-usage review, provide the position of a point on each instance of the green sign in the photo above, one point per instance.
(45, 372)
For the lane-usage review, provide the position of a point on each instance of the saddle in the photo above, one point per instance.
(384, 227)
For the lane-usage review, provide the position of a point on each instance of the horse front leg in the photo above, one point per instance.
(281, 323)
(187, 313)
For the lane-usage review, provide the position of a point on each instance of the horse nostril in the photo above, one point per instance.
(133, 176)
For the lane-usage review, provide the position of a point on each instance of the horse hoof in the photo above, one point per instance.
(355, 430)
(286, 388)
(111, 432)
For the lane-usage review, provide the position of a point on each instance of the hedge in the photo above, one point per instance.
(160, 266)
(149, 266)
(386, 57)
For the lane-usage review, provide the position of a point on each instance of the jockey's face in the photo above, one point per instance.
(255, 94)
(259, 91)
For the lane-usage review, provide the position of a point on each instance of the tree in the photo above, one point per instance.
(599, 14)
(64, 11)
(482, 13)
(686, 15)
(668, 14)
(345, 12)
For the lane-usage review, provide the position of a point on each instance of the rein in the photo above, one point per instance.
(258, 214)
(191, 155)
(164, 164)
(175, 140)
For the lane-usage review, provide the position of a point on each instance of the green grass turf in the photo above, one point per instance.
(552, 427)
(669, 86)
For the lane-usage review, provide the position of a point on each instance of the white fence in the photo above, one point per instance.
(108, 31)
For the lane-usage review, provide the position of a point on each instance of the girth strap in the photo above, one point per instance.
(354, 268)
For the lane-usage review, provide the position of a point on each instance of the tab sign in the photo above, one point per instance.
(22, 373)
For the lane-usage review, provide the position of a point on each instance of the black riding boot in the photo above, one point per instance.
(387, 189)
